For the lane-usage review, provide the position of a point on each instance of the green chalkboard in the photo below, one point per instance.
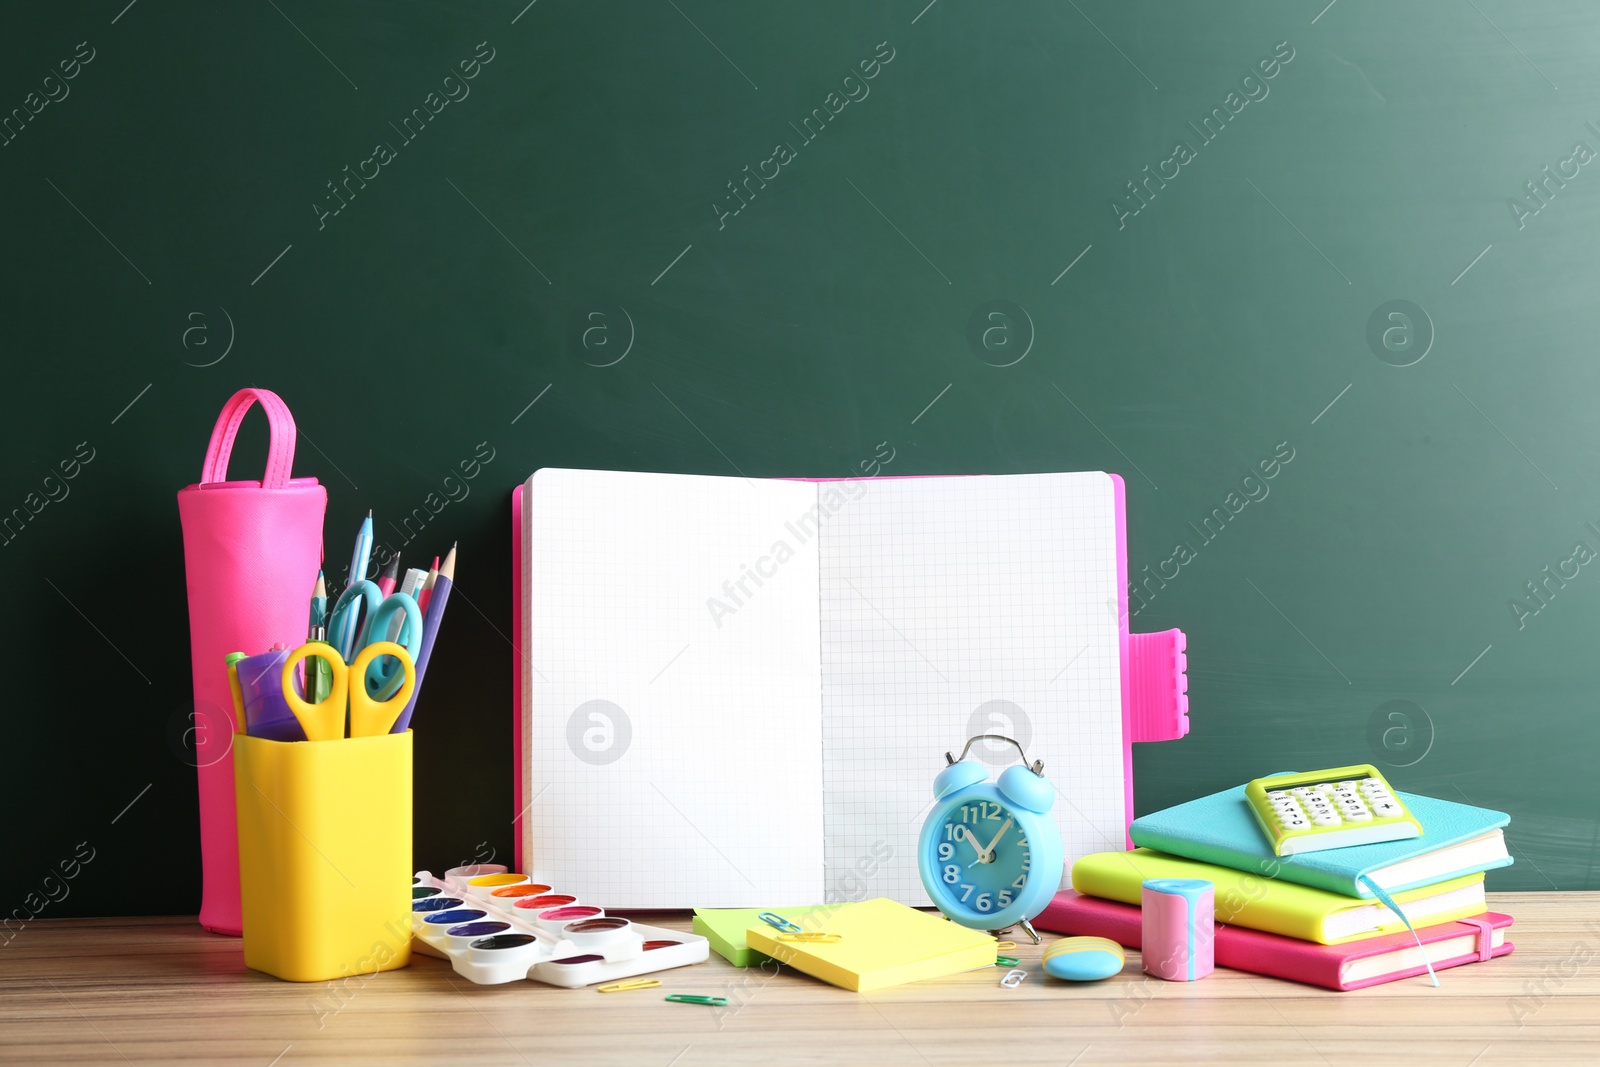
(1350, 244)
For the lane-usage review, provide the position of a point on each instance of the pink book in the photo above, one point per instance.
(1353, 965)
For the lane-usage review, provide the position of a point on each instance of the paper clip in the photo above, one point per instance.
(779, 921)
(624, 987)
(689, 998)
(1006, 961)
(813, 938)
(1005, 946)
(1013, 979)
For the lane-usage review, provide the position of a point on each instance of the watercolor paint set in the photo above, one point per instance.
(495, 926)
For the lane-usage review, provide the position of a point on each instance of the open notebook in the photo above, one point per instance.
(736, 692)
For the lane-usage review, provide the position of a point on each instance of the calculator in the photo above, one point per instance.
(1329, 809)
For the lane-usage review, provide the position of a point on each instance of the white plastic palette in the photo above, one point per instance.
(494, 927)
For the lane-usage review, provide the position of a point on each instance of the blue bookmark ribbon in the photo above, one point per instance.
(1389, 903)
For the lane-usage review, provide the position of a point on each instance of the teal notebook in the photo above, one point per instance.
(1457, 839)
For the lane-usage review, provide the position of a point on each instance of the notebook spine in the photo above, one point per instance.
(522, 862)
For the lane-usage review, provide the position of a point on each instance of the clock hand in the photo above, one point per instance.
(963, 832)
(989, 852)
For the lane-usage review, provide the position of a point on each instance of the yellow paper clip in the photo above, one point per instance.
(635, 983)
(813, 938)
(1004, 946)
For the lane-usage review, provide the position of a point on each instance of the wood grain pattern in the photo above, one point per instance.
(163, 991)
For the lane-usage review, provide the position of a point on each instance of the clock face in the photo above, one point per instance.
(980, 857)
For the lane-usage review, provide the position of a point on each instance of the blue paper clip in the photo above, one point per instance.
(779, 921)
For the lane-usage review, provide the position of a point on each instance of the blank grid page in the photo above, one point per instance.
(953, 607)
(673, 745)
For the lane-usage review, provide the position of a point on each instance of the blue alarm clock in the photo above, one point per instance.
(990, 855)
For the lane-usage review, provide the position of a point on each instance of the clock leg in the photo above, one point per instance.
(1026, 926)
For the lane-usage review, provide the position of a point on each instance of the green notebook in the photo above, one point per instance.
(725, 929)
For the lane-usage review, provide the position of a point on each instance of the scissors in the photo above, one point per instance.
(324, 721)
(364, 600)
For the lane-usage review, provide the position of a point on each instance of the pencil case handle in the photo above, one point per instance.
(280, 453)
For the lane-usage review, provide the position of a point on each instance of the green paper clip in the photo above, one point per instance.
(779, 921)
(1005, 961)
(689, 998)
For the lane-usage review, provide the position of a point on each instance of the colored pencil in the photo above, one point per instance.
(319, 610)
(430, 631)
(427, 586)
(390, 574)
(318, 681)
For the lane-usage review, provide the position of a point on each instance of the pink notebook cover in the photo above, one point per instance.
(1273, 954)
(1155, 687)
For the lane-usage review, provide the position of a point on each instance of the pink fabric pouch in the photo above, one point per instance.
(251, 551)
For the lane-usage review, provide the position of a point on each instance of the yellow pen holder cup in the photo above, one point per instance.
(325, 855)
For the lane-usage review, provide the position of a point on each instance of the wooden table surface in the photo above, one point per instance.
(163, 991)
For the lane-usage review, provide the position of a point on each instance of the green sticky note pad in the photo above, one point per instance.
(725, 929)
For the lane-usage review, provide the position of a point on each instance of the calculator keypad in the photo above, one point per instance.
(1332, 804)
(1383, 804)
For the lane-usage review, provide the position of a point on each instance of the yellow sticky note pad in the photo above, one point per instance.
(881, 943)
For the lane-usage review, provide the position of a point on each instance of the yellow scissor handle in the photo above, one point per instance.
(324, 721)
(369, 717)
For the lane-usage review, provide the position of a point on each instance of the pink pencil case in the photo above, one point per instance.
(251, 551)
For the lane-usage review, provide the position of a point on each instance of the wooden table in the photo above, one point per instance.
(108, 991)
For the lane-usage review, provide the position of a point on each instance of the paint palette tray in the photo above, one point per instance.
(495, 926)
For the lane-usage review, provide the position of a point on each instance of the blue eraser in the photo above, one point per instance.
(1083, 959)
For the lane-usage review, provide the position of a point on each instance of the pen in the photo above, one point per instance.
(430, 630)
(359, 558)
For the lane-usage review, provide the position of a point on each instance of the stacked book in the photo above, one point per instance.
(1311, 917)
